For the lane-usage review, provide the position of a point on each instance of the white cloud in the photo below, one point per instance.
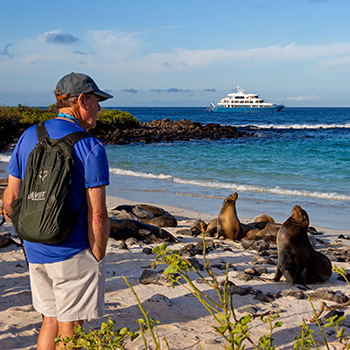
(179, 59)
(123, 52)
(117, 44)
(303, 98)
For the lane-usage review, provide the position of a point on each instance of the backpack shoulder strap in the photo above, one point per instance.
(76, 136)
(42, 132)
(71, 138)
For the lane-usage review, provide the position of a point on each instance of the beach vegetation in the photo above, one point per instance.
(25, 115)
(235, 332)
(119, 119)
(107, 337)
(32, 115)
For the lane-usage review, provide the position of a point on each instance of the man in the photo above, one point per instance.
(67, 278)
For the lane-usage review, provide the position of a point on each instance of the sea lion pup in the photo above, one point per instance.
(228, 222)
(263, 218)
(198, 227)
(212, 228)
(298, 261)
(268, 233)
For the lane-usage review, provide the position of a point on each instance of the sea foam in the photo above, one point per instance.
(296, 126)
(234, 187)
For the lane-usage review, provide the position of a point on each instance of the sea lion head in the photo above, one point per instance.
(299, 220)
(300, 216)
(232, 198)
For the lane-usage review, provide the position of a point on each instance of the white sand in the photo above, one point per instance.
(183, 321)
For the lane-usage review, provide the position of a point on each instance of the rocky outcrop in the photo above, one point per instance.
(155, 131)
(165, 130)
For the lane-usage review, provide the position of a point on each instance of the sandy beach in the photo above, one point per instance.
(183, 320)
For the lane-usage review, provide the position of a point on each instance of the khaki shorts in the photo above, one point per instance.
(70, 290)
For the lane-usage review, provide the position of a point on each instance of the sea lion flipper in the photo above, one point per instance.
(278, 274)
(302, 286)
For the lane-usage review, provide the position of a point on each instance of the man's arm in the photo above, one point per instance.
(11, 193)
(98, 221)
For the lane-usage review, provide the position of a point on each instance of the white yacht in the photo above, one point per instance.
(241, 102)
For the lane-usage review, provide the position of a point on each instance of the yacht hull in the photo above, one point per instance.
(274, 108)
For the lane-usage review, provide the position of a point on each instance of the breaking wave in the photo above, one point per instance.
(296, 126)
(233, 186)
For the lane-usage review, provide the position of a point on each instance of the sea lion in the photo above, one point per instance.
(298, 261)
(156, 211)
(228, 222)
(124, 229)
(268, 233)
(7, 240)
(161, 221)
(3, 185)
(212, 228)
(263, 218)
(147, 214)
(140, 213)
(198, 227)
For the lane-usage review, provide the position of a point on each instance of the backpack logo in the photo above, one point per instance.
(43, 174)
(36, 196)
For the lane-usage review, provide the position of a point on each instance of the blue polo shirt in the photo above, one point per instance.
(90, 170)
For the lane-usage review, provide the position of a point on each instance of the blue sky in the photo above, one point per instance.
(178, 53)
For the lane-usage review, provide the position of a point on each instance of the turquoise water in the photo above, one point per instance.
(297, 156)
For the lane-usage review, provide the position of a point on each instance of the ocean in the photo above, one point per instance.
(296, 156)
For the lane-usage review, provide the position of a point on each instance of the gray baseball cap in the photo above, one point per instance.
(74, 84)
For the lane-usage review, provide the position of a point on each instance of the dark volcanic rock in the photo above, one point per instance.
(328, 294)
(196, 264)
(264, 298)
(165, 130)
(153, 277)
(296, 293)
(150, 132)
(259, 245)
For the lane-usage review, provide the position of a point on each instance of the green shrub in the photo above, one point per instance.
(33, 115)
(119, 119)
(25, 115)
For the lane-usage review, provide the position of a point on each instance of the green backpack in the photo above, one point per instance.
(41, 213)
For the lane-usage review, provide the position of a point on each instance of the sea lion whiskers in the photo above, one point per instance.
(294, 228)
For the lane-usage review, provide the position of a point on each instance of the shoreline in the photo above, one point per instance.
(187, 214)
(208, 207)
(183, 320)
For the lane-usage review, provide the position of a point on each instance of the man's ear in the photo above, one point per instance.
(81, 100)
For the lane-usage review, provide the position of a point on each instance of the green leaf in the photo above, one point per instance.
(340, 319)
(340, 333)
(163, 246)
(169, 270)
(124, 331)
(222, 329)
(155, 250)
